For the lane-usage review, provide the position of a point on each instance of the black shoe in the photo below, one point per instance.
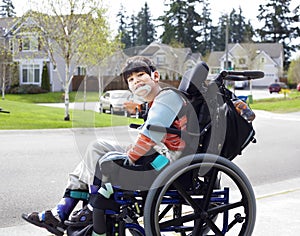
(80, 218)
(51, 223)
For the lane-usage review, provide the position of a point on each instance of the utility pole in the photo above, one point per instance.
(226, 43)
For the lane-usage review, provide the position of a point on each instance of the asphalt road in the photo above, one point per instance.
(35, 164)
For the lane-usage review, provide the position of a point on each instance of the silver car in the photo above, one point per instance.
(113, 101)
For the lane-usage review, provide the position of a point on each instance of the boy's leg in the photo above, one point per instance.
(53, 220)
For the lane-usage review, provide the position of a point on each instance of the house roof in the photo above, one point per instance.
(274, 50)
(5, 24)
(214, 58)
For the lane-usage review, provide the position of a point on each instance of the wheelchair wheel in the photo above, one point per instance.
(186, 199)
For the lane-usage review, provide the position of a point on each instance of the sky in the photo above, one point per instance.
(218, 8)
(157, 7)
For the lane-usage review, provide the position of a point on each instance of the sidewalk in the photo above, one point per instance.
(278, 212)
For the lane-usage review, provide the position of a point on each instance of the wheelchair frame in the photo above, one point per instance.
(190, 206)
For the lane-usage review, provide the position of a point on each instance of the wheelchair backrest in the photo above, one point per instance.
(212, 103)
(194, 79)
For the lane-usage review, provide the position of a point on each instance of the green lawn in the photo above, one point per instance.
(291, 103)
(31, 116)
(25, 114)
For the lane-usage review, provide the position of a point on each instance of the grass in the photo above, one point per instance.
(26, 114)
(55, 97)
(290, 103)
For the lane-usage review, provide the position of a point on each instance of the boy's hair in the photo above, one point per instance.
(137, 64)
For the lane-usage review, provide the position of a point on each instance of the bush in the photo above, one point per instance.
(45, 79)
(27, 89)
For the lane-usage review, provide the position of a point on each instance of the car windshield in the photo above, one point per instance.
(119, 95)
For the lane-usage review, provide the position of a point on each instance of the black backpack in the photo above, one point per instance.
(214, 124)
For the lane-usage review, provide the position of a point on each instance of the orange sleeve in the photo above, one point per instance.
(140, 148)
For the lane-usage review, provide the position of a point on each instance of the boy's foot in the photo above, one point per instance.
(80, 218)
(49, 222)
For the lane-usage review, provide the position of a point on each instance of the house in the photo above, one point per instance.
(267, 57)
(171, 63)
(20, 37)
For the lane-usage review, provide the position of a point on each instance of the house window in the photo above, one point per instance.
(81, 70)
(262, 60)
(31, 74)
(242, 61)
(30, 43)
(160, 60)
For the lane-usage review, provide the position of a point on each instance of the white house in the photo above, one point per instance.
(267, 57)
(22, 40)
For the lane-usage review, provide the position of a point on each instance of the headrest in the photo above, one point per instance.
(192, 80)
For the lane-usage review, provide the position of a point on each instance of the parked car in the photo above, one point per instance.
(113, 101)
(135, 106)
(240, 84)
(276, 87)
(298, 87)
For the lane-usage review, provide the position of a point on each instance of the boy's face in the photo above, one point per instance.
(141, 83)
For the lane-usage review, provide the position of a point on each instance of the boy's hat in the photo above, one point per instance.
(137, 64)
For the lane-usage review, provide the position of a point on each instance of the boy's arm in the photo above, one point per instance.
(163, 112)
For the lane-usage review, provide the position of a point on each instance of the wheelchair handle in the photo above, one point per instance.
(238, 76)
(2, 111)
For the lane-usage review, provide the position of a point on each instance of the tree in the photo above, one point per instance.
(279, 25)
(69, 31)
(205, 44)
(145, 28)
(7, 9)
(294, 71)
(5, 65)
(45, 78)
(173, 22)
(218, 34)
(132, 30)
(191, 33)
(181, 24)
(123, 28)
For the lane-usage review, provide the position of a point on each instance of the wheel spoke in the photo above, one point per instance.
(164, 212)
(187, 197)
(179, 221)
(225, 207)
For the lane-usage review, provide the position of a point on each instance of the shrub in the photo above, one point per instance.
(27, 89)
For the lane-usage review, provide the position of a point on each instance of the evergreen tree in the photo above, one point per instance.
(248, 33)
(218, 34)
(45, 79)
(279, 25)
(239, 30)
(191, 34)
(205, 44)
(7, 9)
(173, 22)
(146, 32)
(180, 24)
(132, 30)
(123, 28)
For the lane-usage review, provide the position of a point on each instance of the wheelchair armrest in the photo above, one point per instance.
(158, 128)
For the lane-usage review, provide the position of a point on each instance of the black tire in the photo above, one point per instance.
(126, 113)
(111, 109)
(199, 213)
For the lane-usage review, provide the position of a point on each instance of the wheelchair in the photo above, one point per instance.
(198, 194)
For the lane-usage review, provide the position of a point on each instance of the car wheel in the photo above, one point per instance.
(101, 110)
(111, 110)
(126, 113)
(137, 113)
